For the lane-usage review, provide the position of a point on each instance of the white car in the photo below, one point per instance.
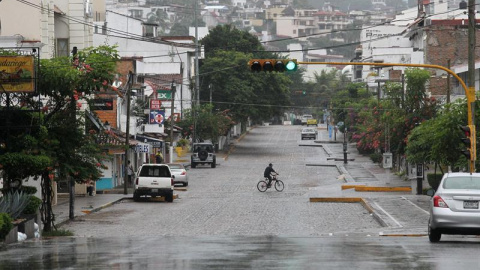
(454, 208)
(310, 133)
(154, 180)
(180, 173)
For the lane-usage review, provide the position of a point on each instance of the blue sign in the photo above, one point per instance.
(156, 117)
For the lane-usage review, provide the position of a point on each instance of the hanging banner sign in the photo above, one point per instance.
(17, 73)
(164, 94)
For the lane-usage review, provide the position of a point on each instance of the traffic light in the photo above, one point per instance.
(469, 141)
(278, 65)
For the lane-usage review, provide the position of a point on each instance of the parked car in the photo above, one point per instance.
(309, 133)
(154, 180)
(203, 153)
(454, 208)
(180, 173)
(305, 118)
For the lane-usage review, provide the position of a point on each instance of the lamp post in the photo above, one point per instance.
(173, 87)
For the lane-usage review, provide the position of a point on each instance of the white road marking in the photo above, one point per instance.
(426, 212)
(390, 216)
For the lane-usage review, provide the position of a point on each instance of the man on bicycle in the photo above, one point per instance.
(268, 172)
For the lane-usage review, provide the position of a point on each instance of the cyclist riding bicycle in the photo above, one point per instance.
(268, 172)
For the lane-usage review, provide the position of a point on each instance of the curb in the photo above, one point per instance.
(363, 202)
(403, 235)
(238, 140)
(351, 186)
(383, 189)
(86, 212)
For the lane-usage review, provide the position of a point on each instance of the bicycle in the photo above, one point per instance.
(262, 185)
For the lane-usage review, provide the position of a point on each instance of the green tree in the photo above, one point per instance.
(438, 139)
(229, 38)
(179, 30)
(225, 74)
(256, 95)
(55, 144)
(210, 123)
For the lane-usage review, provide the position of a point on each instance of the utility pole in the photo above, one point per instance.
(210, 88)
(345, 149)
(181, 91)
(73, 119)
(127, 131)
(197, 81)
(448, 83)
(173, 87)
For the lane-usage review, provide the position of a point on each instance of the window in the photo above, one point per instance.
(61, 47)
(461, 183)
(155, 171)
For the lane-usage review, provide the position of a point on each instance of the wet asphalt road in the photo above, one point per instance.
(223, 222)
(240, 252)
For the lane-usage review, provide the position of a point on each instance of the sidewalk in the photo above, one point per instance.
(391, 199)
(84, 205)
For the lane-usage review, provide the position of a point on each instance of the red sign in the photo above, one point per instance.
(155, 104)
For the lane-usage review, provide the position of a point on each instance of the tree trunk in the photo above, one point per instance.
(46, 209)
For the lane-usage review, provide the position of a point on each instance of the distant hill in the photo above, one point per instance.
(345, 5)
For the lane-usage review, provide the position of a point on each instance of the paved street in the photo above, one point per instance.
(223, 222)
(225, 200)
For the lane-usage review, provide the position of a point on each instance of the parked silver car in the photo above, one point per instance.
(180, 173)
(454, 208)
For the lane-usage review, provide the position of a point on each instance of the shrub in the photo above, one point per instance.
(434, 180)
(14, 203)
(28, 189)
(183, 142)
(376, 157)
(5, 225)
(25, 189)
(32, 206)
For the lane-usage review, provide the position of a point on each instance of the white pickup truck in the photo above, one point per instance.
(154, 180)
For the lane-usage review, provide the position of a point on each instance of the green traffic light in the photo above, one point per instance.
(291, 65)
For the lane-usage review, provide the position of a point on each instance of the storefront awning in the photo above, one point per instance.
(152, 141)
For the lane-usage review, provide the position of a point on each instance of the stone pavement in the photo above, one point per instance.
(402, 213)
(84, 205)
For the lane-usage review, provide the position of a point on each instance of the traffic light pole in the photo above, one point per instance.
(471, 78)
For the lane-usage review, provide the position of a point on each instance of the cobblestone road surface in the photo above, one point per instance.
(225, 201)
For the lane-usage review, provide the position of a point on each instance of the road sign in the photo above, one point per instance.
(156, 117)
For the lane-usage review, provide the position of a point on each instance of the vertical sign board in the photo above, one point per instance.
(17, 73)
(156, 117)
